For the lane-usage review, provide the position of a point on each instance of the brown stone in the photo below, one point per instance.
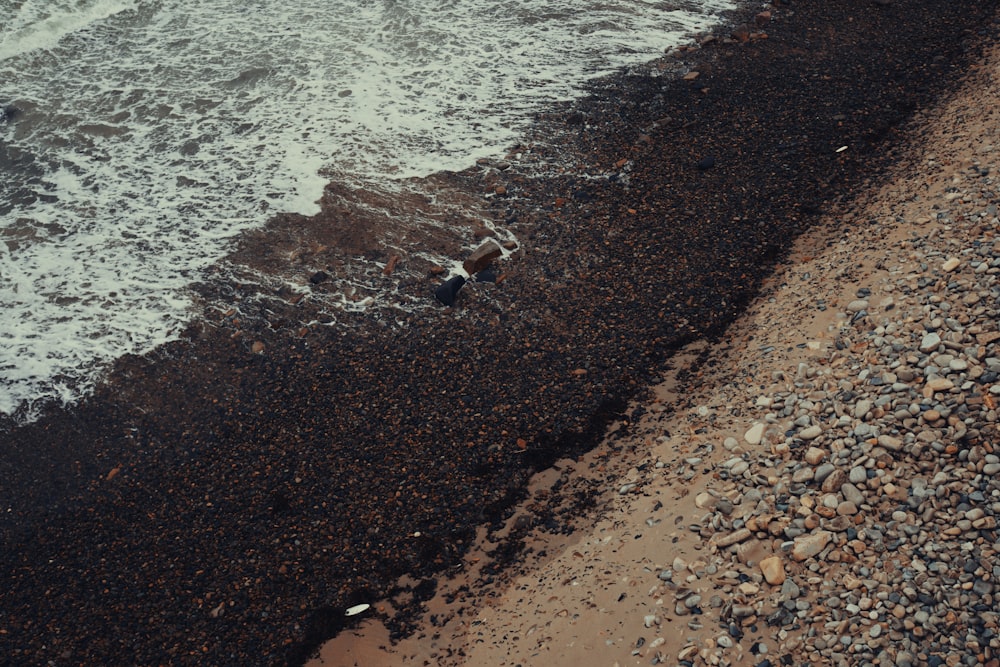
(773, 570)
(807, 546)
(814, 456)
(482, 257)
(741, 33)
(390, 265)
(835, 480)
(733, 538)
(988, 337)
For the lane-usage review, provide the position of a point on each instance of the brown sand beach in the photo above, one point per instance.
(224, 500)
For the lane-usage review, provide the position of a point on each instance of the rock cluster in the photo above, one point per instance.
(855, 520)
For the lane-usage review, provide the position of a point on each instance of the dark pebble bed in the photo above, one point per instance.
(213, 505)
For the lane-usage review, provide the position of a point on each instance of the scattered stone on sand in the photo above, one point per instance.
(481, 257)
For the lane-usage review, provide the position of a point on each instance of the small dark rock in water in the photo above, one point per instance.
(448, 291)
(318, 277)
(9, 113)
(706, 163)
(487, 276)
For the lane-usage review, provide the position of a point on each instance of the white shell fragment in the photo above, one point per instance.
(357, 609)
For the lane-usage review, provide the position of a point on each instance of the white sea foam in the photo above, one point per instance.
(40, 24)
(151, 132)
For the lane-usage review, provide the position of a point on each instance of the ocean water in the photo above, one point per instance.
(139, 138)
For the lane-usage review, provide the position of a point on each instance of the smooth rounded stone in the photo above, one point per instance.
(650, 620)
(937, 384)
(930, 342)
(666, 575)
(943, 359)
(875, 631)
(890, 442)
(857, 305)
(852, 494)
(858, 475)
(773, 570)
(705, 500)
(810, 433)
(725, 641)
(823, 471)
(735, 537)
(847, 508)
(975, 513)
(808, 546)
(814, 456)
(803, 475)
(692, 601)
(951, 264)
(754, 434)
(836, 479)
(790, 590)
(991, 468)
(862, 408)
(739, 468)
(958, 365)
(981, 587)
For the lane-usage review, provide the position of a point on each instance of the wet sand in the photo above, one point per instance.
(225, 499)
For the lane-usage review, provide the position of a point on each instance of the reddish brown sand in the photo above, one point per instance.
(223, 500)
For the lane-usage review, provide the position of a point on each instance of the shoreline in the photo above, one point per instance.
(267, 479)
